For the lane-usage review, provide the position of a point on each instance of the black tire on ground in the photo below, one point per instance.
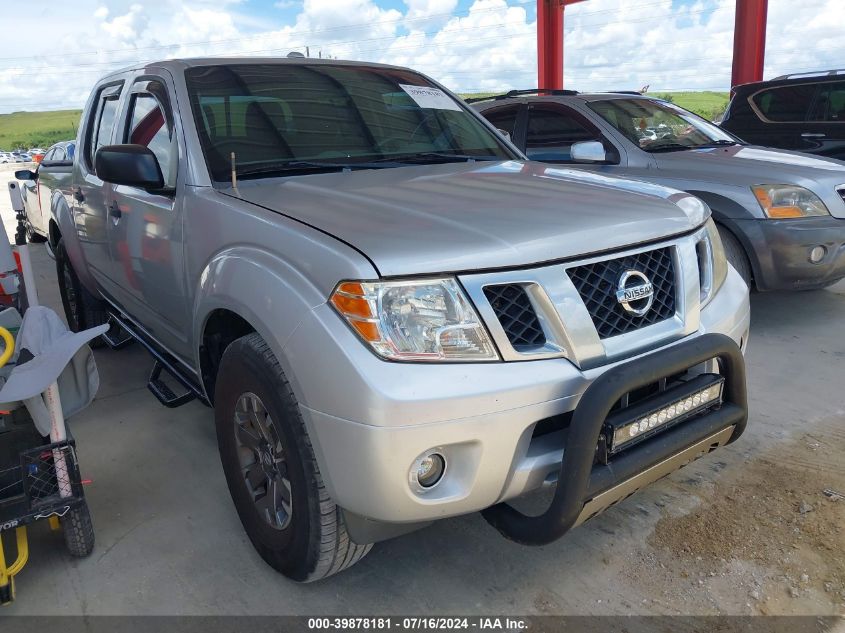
(82, 309)
(736, 255)
(78, 531)
(312, 543)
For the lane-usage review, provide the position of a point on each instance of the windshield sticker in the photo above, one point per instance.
(427, 97)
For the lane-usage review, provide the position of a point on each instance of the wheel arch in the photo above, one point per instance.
(726, 212)
(244, 290)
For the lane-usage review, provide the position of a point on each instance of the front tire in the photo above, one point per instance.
(82, 309)
(736, 256)
(271, 469)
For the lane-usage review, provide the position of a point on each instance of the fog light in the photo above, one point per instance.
(427, 471)
(817, 254)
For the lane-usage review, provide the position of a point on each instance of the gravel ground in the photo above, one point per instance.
(749, 530)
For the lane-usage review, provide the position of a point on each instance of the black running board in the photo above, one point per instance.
(164, 362)
(116, 337)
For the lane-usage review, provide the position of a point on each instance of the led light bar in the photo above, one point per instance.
(659, 419)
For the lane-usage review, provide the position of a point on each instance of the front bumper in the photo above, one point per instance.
(780, 250)
(378, 417)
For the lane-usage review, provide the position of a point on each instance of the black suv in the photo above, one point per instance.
(803, 112)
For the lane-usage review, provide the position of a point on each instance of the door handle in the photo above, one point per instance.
(812, 135)
(78, 196)
(114, 211)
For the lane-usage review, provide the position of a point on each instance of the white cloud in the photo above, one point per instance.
(609, 44)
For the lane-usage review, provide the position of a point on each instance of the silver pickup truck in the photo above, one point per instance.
(395, 316)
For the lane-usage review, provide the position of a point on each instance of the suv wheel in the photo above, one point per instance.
(82, 309)
(271, 469)
(31, 235)
(736, 255)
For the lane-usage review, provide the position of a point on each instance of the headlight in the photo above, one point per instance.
(712, 263)
(415, 320)
(788, 201)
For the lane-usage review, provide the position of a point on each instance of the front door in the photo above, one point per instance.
(145, 226)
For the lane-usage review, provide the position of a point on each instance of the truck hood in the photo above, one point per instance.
(470, 216)
(747, 165)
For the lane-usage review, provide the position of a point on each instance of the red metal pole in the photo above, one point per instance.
(550, 43)
(749, 41)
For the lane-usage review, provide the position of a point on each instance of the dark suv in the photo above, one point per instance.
(803, 112)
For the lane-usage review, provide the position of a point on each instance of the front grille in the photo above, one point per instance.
(516, 314)
(597, 284)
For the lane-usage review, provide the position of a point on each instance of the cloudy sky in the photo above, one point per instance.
(52, 52)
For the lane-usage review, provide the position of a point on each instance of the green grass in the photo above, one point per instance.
(37, 129)
(706, 104)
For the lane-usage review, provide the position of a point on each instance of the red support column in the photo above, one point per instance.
(749, 41)
(550, 43)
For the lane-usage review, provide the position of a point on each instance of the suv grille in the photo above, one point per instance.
(597, 284)
(516, 314)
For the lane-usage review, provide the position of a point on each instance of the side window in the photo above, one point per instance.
(101, 124)
(58, 154)
(503, 118)
(830, 104)
(149, 125)
(49, 156)
(785, 104)
(553, 131)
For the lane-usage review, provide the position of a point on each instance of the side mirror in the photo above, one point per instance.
(588, 152)
(504, 133)
(131, 165)
(26, 174)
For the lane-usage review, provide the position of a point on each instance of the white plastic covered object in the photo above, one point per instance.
(48, 352)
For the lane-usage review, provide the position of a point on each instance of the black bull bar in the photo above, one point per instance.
(581, 480)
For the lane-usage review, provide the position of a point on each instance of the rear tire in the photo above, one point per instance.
(32, 236)
(82, 309)
(736, 255)
(78, 531)
(264, 446)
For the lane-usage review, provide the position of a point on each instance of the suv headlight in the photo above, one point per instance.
(712, 263)
(788, 201)
(415, 320)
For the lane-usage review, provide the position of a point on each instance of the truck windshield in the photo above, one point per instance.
(657, 126)
(288, 118)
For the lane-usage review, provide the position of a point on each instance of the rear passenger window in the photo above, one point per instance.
(830, 104)
(553, 131)
(787, 103)
(101, 125)
(504, 118)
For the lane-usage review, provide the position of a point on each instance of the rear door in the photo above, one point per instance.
(145, 226)
(826, 122)
(91, 197)
(782, 112)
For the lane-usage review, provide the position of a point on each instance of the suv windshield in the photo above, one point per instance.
(659, 126)
(287, 118)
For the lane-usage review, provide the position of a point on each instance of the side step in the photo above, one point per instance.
(164, 363)
(116, 337)
(163, 392)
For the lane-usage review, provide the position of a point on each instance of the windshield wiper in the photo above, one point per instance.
(434, 157)
(302, 166)
(719, 143)
(668, 147)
